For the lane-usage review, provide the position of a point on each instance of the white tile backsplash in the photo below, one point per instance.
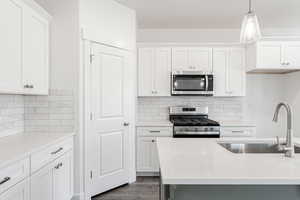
(222, 109)
(11, 114)
(53, 113)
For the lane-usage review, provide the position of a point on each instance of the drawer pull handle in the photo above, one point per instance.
(57, 151)
(4, 180)
(154, 131)
(153, 141)
(58, 166)
(238, 131)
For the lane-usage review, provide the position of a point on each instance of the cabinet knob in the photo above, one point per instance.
(126, 124)
(153, 141)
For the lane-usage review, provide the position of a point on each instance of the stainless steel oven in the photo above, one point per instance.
(192, 83)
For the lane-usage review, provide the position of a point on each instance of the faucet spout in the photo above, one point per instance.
(289, 147)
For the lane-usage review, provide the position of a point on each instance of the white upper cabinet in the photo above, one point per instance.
(192, 59)
(273, 57)
(154, 71)
(229, 72)
(36, 51)
(291, 54)
(24, 48)
(11, 46)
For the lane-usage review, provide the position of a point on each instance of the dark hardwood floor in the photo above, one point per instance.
(146, 188)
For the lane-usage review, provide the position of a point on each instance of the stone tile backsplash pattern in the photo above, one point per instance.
(221, 109)
(50, 114)
(11, 114)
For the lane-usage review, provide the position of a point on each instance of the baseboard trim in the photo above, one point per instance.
(147, 174)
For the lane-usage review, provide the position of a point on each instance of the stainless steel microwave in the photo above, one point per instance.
(192, 83)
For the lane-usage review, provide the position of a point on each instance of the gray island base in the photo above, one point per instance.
(230, 192)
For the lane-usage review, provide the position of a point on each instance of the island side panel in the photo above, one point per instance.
(231, 192)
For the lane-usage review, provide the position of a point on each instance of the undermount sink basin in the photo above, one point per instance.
(254, 148)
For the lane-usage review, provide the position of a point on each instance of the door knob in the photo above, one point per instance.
(126, 124)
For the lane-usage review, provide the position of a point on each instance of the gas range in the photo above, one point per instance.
(193, 122)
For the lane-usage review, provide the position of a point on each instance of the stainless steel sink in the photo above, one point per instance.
(254, 148)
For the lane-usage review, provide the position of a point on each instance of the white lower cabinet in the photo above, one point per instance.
(147, 160)
(147, 155)
(18, 192)
(50, 179)
(54, 181)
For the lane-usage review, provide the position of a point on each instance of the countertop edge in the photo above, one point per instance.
(36, 149)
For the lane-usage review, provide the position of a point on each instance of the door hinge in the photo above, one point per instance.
(91, 58)
(91, 174)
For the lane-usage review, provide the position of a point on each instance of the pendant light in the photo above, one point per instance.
(250, 32)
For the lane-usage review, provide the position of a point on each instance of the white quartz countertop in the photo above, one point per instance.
(154, 124)
(19, 146)
(205, 162)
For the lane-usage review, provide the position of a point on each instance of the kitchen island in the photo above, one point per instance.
(202, 169)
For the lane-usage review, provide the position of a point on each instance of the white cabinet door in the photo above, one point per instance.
(269, 55)
(35, 53)
(200, 59)
(144, 154)
(63, 177)
(180, 59)
(54, 181)
(11, 46)
(192, 59)
(146, 63)
(41, 184)
(291, 55)
(237, 72)
(162, 72)
(229, 71)
(155, 159)
(147, 159)
(220, 60)
(154, 71)
(17, 192)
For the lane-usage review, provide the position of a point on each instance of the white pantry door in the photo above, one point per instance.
(108, 128)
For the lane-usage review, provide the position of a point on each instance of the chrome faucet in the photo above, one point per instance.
(289, 146)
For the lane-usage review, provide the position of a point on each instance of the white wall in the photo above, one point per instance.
(203, 35)
(292, 95)
(65, 61)
(264, 92)
(108, 22)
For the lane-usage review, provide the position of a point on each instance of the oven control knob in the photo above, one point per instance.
(206, 129)
(211, 129)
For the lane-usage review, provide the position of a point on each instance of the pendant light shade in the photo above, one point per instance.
(250, 32)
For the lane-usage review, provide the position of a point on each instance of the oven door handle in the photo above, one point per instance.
(196, 133)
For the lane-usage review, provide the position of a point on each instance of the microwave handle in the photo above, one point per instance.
(206, 82)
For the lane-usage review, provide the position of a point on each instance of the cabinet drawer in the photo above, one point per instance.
(238, 131)
(13, 173)
(41, 158)
(154, 131)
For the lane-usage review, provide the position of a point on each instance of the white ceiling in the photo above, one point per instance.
(213, 13)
